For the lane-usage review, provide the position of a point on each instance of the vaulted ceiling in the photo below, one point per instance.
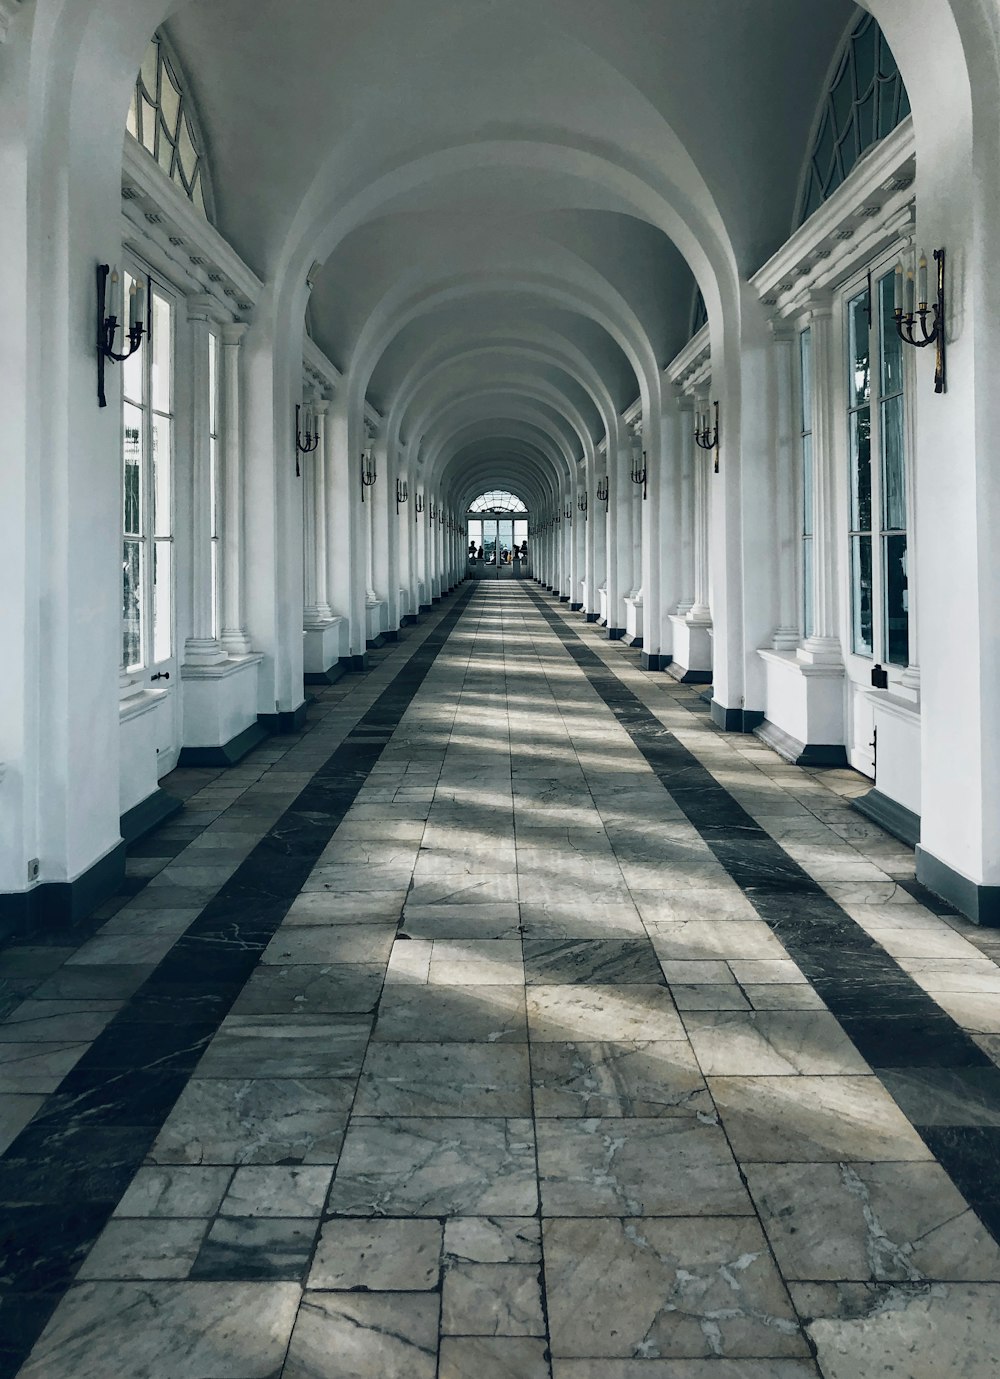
(480, 180)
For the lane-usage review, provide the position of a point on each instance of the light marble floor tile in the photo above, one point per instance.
(493, 1240)
(273, 1190)
(144, 1249)
(500, 1357)
(618, 1079)
(622, 1167)
(698, 940)
(167, 1331)
(684, 1369)
(476, 922)
(35, 1068)
(492, 1300)
(654, 1288)
(342, 943)
(16, 1110)
(436, 1166)
(375, 1336)
(899, 1222)
(377, 1255)
(181, 1191)
(770, 1043)
(451, 1079)
(633, 1011)
(920, 1331)
(712, 997)
(313, 989)
(287, 1046)
(810, 1119)
(256, 1120)
(327, 907)
(454, 1014)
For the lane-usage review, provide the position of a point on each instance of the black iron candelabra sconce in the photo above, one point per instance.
(706, 436)
(638, 473)
(418, 506)
(568, 512)
(912, 324)
(582, 503)
(140, 302)
(402, 493)
(306, 438)
(603, 491)
(369, 474)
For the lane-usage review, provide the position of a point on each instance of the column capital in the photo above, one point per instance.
(321, 406)
(202, 307)
(819, 305)
(232, 332)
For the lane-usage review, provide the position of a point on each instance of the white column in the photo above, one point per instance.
(824, 644)
(637, 461)
(786, 488)
(317, 610)
(686, 505)
(202, 647)
(234, 637)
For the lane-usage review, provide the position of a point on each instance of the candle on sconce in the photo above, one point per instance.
(898, 288)
(113, 294)
(909, 292)
(922, 282)
(134, 306)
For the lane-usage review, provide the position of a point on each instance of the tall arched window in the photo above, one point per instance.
(497, 501)
(865, 102)
(161, 118)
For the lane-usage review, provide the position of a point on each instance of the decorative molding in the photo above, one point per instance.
(872, 208)
(169, 231)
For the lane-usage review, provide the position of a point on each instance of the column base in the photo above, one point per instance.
(633, 621)
(814, 754)
(736, 720)
(409, 620)
(889, 814)
(331, 675)
(285, 720)
(220, 712)
(977, 902)
(591, 617)
(425, 608)
(575, 607)
(564, 598)
(615, 634)
(655, 660)
(59, 904)
(692, 654)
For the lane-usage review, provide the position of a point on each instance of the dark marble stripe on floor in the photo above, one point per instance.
(944, 1083)
(62, 1177)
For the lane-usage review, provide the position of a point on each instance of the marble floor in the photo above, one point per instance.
(510, 1022)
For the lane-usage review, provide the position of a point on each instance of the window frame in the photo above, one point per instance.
(151, 535)
(860, 662)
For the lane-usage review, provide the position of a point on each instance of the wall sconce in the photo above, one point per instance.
(368, 474)
(431, 511)
(602, 492)
(583, 502)
(402, 493)
(568, 512)
(638, 473)
(705, 437)
(306, 438)
(109, 305)
(418, 506)
(907, 320)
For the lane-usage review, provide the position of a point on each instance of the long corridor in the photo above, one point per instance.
(509, 1023)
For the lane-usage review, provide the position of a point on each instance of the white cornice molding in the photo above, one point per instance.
(163, 225)
(8, 13)
(873, 207)
(686, 369)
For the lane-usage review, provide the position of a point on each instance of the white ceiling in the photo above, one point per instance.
(461, 279)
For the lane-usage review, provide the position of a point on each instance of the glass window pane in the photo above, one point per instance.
(133, 369)
(132, 605)
(213, 485)
(893, 466)
(891, 344)
(805, 373)
(213, 384)
(162, 351)
(148, 126)
(185, 148)
(170, 102)
(132, 119)
(860, 354)
(861, 470)
(148, 70)
(861, 594)
(132, 435)
(161, 515)
(807, 485)
(807, 587)
(165, 149)
(162, 553)
(897, 603)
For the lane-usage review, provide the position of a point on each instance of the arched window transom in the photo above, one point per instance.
(161, 118)
(498, 500)
(865, 102)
